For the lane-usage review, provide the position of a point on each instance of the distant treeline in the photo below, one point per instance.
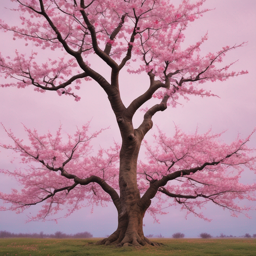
(58, 234)
(202, 235)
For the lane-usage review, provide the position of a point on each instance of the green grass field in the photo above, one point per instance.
(87, 247)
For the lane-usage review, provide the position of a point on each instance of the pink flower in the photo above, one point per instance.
(110, 41)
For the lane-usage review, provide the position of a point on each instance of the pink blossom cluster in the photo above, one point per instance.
(219, 181)
(43, 160)
(48, 155)
(155, 43)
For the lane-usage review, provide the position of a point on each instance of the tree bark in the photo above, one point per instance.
(131, 212)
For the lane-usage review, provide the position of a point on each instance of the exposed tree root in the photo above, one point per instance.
(128, 240)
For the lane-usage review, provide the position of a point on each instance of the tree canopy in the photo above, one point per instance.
(142, 36)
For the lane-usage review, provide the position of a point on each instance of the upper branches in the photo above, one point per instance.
(148, 32)
(98, 51)
(44, 77)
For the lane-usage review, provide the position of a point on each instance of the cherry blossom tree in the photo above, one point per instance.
(136, 36)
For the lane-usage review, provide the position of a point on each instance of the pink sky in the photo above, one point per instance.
(232, 22)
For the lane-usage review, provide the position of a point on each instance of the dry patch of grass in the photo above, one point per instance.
(23, 247)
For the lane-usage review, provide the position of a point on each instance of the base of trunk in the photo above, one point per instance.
(133, 239)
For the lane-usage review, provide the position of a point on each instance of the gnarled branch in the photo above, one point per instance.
(147, 121)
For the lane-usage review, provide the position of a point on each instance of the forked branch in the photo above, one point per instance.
(103, 55)
(157, 185)
(147, 123)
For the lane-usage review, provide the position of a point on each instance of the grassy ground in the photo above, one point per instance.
(87, 247)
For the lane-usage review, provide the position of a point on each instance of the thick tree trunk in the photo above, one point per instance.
(131, 213)
(129, 230)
